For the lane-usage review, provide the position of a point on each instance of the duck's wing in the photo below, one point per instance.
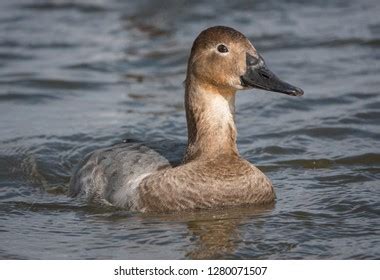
(111, 175)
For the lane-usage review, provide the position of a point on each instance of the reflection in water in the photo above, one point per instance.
(216, 232)
(216, 238)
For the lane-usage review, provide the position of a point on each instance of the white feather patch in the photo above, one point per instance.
(127, 195)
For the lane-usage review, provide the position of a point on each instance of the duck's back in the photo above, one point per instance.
(111, 175)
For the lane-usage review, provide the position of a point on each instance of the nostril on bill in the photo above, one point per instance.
(264, 75)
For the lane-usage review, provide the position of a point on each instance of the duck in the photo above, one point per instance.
(212, 173)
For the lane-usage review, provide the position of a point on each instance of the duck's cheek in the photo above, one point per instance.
(238, 70)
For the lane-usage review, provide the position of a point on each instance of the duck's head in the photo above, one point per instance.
(223, 58)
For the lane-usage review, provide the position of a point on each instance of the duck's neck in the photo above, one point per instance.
(210, 121)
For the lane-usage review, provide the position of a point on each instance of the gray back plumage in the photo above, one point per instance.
(105, 172)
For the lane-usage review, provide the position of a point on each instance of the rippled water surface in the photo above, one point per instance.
(79, 75)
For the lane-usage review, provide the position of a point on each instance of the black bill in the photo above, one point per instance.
(259, 76)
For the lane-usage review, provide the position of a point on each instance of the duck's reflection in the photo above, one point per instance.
(215, 233)
(215, 237)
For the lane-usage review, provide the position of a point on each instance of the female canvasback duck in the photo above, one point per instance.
(212, 173)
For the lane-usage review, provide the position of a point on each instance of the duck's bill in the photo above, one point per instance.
(259, 76)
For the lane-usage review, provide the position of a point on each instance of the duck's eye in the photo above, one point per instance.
(222, 48)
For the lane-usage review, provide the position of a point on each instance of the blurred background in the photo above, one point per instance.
(79, 75)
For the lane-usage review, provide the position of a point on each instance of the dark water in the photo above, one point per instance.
(79, 75)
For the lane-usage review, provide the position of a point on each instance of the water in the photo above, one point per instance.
(79, 75)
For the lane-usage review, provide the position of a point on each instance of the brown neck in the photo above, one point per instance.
(210, 121)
